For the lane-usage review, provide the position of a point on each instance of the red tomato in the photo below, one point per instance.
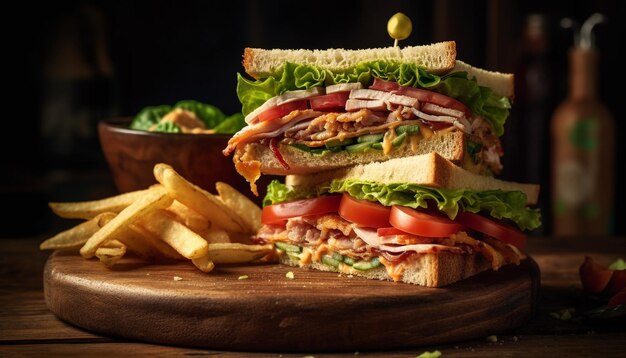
(594, 277)
(423, 95)
(389, 231)
(618, 282)
(277, 213)
(421, 223)
(433, 97)
(364, 212)
(283, 110)
(503, 232)
(330, 102)
(382, 85)
(618, 299)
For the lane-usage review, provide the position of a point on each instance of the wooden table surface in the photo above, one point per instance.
(28, 328)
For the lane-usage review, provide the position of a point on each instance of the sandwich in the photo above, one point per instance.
(418, 219)
(316, 110)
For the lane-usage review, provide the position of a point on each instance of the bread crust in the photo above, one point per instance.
(431, 270)
(438, 58)
(428, 169)
(450, 144)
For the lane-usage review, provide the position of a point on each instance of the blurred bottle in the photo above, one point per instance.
(526, 138)
(583, 139)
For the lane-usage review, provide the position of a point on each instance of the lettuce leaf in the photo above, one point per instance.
(278, 192)
(209, 114)
(149, 116)
(481, 100)
(496, 203)
(231, 124)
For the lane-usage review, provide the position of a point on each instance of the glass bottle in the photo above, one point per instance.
(583, 148)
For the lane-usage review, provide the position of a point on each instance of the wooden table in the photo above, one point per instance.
(28, 328)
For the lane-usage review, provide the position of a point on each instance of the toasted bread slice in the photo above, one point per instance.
(450, 145)
(438, 58)
(503, 84)
(428, 169)
(430, 270)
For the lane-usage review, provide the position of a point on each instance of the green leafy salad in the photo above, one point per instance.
(187, 116)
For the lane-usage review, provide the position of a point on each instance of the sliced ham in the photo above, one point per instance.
(343, 87)
(386, 97)
(432, 108)
(460, 123)
(357, 104)
(268, 129)
(286, 97)
(370, 236)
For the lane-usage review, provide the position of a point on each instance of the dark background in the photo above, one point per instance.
(72, 63)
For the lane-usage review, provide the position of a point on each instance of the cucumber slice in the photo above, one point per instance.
(339, 143)
(330, 261)
(288, 247)
(398, 140)
(367, 265)
(348, 261)
(377, 146)
(370, 138)
(359, 148)
(409, 129)
(337, 256)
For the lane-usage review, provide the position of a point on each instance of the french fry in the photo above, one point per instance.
(155, 198)
(234, 253)
(203, 263)
(110, 253)
(164, 250)
(89, 209)
(189, 217)
(247, 210)
(214, 236)
(203, 202)
(178, 236)
(75, 237)
(133, 241)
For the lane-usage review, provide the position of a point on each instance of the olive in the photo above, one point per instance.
(399, 26)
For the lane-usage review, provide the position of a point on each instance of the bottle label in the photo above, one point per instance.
(575, 183)
(584, 134)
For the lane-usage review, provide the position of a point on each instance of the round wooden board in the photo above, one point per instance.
(315, 311)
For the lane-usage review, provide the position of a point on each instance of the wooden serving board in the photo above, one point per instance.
(315, 311)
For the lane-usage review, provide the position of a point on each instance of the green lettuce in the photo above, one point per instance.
(209, 114)
(278, 192)
(231, 124)
(149, 116)
(497, 203)
(481, 100)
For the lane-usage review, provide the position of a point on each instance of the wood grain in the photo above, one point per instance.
(523, 346)
(315, 311)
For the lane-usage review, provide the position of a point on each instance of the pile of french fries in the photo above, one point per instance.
(170, 221)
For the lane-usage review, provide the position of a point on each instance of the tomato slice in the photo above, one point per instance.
(421, 223)
(433, 97)
(330, 102)
(390, 231)
(277, 213)
(503, 232)
(382, 85)
(594, 277)
(283, 110)
(364, 212)
(618, 282)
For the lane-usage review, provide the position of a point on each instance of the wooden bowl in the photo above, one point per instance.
(131, 156)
